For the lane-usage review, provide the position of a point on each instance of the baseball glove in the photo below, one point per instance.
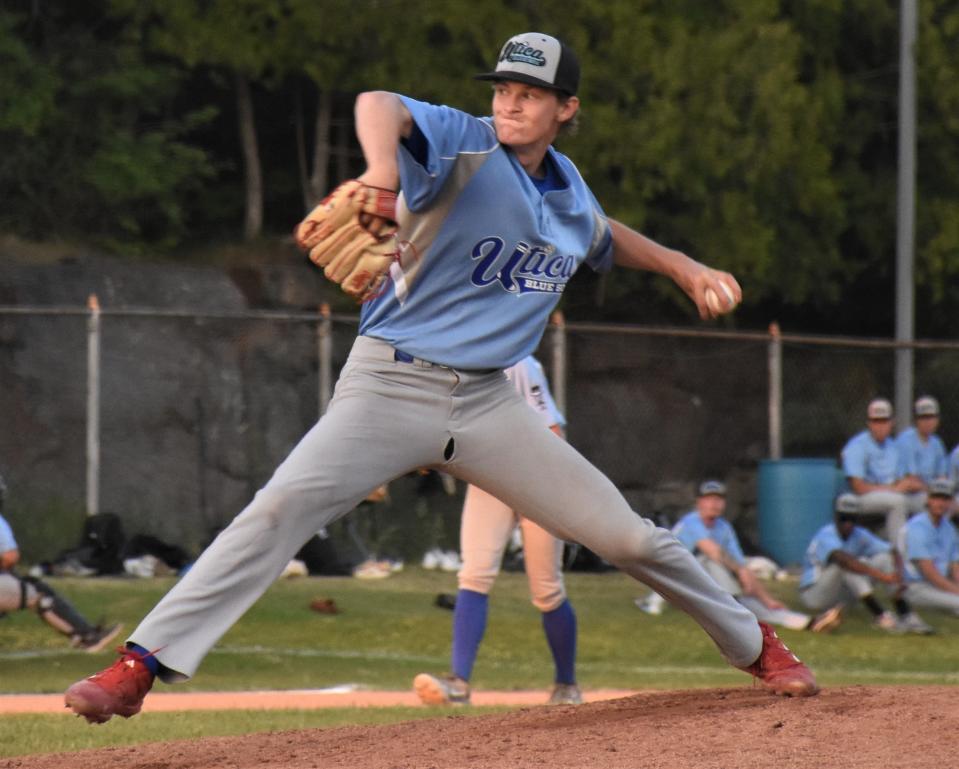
(351, 235)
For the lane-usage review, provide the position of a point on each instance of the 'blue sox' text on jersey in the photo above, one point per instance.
(484, 255)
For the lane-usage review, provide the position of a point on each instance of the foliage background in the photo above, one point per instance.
(758, 135)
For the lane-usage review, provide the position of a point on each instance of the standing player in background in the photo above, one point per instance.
(18, 593)
(485, 530)
(493, 222)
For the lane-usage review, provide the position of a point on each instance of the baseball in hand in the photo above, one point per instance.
(717, 305)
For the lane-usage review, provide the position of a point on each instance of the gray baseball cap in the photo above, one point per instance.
(537, 59)
(941, 487)
(926, 406)
(879, 408)
(712, 487)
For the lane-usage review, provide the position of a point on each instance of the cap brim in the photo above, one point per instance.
(518, 77)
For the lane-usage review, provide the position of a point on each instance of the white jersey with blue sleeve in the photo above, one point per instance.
(530, 381)
(874, 462)
(7, 540)
(923, 458)
(861, 543)
(921, 539)
(690, 529)
(484, 256)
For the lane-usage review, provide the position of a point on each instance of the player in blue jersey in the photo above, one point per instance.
(844, 563)
(707, 534)
(493, 221)
(487, 525)
(21, 593)
(922, 453)
(930, 547)
(874, 470)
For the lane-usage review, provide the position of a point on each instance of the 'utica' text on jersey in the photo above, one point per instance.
(524, 269)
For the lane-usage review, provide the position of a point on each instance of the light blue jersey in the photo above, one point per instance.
(863, 458)
(475, 292)
(923, 540)
(7, 541)
(861, 544)
(530, 380)
(690, 529)
(927, 459)
(954, 466)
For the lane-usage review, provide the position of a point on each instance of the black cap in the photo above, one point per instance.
(537, 59)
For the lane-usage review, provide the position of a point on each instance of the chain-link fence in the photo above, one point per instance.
(174, 419)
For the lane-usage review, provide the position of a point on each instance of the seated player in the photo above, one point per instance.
(843, 564)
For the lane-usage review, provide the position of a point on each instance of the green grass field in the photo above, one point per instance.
(389, 630)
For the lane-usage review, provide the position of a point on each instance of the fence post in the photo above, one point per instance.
(324, 334)
(558, 378)
(93, 405)
(775, 391)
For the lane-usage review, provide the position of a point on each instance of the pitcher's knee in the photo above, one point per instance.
(643, 544)
(547, 601)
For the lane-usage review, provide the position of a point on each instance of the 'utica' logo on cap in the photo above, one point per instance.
(518, 51)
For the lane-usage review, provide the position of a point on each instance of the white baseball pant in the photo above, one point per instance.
(485, 529)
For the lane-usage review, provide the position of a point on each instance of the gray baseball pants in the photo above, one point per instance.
(838, 585)
(929, 596)
(388, 418)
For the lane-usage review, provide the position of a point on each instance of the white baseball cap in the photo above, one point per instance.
(926, 406)
(537, 59)
(879, 408)
(941, 487)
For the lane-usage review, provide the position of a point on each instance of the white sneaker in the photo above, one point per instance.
(651, 604)
(445, 690)
(372, 569)
(887, 621)
(828, 621)
(913, 623)
(431, 559)
(450, 561)
(565, 694)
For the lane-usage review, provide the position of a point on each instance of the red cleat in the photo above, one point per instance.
(780, 669)
(117, 691)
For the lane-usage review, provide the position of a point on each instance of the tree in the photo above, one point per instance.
(91, 146)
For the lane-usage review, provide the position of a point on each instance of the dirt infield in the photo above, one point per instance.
(337, 697)
(850, 727)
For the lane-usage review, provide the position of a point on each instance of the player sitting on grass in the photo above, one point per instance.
(712, 539)
(844, 561)
(18, 593)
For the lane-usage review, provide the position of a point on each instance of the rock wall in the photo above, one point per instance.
(199, 405)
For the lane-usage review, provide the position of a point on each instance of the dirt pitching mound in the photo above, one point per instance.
(909, 727)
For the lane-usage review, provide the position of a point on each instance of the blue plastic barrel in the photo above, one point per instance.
(795, 501)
